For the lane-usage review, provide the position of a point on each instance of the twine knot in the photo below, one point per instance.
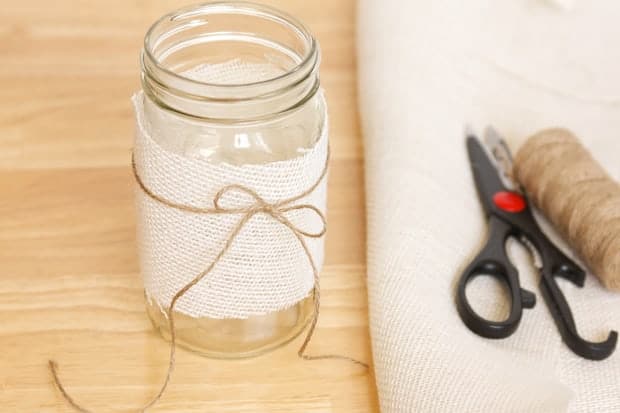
(277, 210)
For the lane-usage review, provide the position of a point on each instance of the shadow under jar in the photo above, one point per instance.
(234, 83)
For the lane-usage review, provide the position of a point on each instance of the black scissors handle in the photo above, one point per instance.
(556, 264)
(492, 260)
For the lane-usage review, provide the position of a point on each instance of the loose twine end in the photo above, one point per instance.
(277, 211)
(53, 366)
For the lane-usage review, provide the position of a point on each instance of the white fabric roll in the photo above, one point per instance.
(427, 68)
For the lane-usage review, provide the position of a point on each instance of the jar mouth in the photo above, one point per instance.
(177, 42)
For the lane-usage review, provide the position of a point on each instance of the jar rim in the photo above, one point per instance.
(241, 8)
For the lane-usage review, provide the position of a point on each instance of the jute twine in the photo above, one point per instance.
(277, 210)
(576, 194)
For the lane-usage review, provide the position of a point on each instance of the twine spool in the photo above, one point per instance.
(577, 195)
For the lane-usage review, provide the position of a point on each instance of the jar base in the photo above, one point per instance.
(234, 338)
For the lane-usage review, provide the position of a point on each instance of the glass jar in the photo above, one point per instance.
(235, 83)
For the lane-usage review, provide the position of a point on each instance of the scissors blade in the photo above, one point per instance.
(503, 158)
(486, 175)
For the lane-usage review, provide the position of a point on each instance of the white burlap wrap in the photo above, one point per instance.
(266, 269)
(426, 69)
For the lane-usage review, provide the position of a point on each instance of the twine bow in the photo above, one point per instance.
(277, 210)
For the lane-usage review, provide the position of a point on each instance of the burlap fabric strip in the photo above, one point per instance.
(261, 273)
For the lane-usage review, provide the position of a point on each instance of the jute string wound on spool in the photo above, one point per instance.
(577, 195)
(275, 210)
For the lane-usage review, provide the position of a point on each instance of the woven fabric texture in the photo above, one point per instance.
(266, 269)
(426, 69)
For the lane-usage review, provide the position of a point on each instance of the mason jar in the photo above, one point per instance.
(234, 83)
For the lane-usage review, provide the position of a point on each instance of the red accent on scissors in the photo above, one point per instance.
(509, 201)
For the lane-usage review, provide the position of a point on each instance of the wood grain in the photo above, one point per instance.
(69, 280)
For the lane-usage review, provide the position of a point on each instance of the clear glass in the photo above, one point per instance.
(238, 83)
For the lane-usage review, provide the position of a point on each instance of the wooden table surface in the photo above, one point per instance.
(69, 279)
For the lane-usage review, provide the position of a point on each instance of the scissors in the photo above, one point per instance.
(509, 215)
